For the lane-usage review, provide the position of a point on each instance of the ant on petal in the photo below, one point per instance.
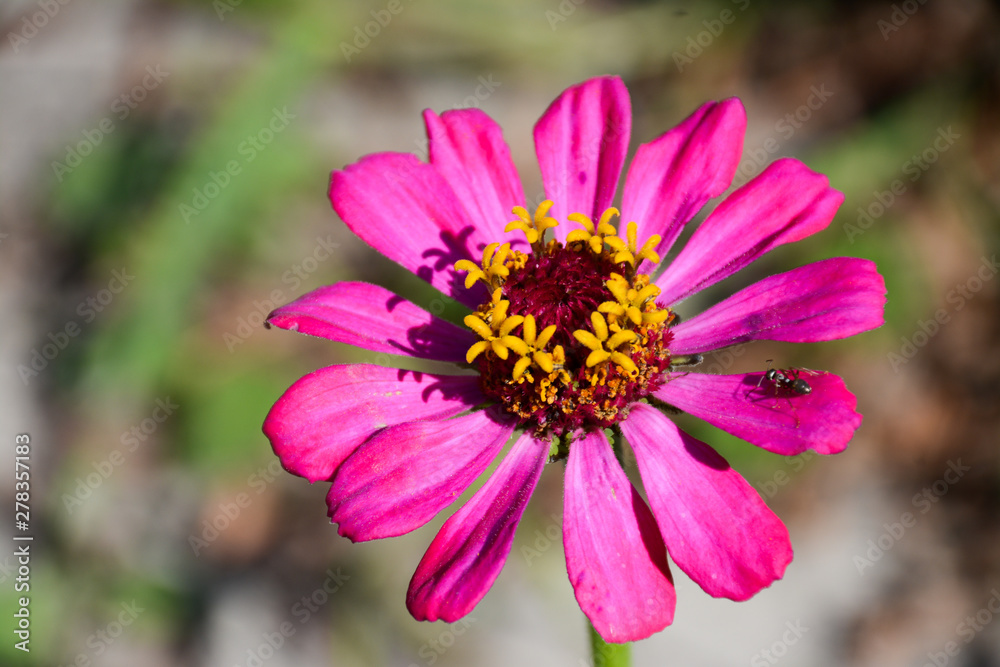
(785, 383)
(788, 378)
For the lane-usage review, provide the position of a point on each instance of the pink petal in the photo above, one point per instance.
(776, 419)
(784, 203)
(716, 527)
(614, 553)
(831, 299)
(581, 141)
(407, 473)
(374, 318)
(468, 150)
(471, 548)
(403, 208)
(673, 176)
(325, 415)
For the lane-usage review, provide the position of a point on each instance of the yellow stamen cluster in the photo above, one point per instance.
(498, 260)
(535, 345)
(547, 388)
(533, 227)
(604, 345)
(594, 237)
(628, 251)
(494, 268)
(495, 331)
(633, 304)
(631, 299)
(617, 325)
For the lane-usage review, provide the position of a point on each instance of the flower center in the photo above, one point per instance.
(571, 334)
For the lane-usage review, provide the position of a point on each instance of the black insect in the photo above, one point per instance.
(787, 378)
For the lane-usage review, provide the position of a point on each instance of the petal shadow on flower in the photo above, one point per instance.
(405, 474)
(705, 456)
(452, 248)
(372, 317)
(448, 390)
(326, 415)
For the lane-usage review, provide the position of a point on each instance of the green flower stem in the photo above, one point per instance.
(603, 653)
(609, 655)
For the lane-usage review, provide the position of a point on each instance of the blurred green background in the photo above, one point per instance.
(163, 173)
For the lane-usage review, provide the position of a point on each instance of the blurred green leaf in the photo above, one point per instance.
(246, 163)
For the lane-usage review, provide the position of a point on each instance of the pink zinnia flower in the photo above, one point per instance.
(571, 337)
